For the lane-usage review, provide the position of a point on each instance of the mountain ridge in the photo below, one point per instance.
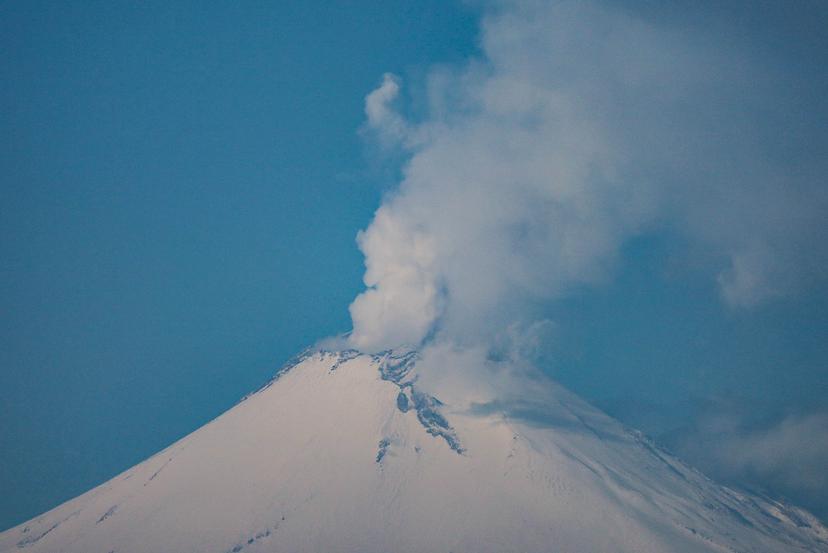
(343, 451)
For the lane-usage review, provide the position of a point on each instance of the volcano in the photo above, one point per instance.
(345, 452)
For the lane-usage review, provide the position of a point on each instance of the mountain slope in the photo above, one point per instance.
(342, 452)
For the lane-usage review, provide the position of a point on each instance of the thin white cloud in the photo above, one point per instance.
(390, 126)
(787, 458)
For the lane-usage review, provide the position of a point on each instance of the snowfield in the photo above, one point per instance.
(342, 452)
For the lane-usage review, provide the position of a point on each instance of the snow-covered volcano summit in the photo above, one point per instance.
(342, 452)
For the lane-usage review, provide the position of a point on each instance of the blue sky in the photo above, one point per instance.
(181, 191)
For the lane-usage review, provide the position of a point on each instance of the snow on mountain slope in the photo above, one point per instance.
(342, 452)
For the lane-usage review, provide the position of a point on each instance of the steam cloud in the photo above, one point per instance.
(578, 128)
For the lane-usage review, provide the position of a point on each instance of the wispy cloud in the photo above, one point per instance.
(786, 457)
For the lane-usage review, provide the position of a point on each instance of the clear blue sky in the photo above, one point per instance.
(180, 188)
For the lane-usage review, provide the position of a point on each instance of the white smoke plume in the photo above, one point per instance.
(577, 128)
